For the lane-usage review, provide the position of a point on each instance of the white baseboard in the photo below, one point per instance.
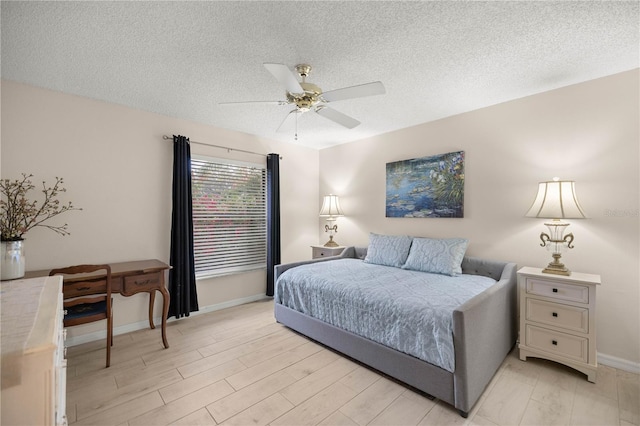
(619, 363)
(140, 325)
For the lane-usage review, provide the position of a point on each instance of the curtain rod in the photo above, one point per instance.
(165, 137)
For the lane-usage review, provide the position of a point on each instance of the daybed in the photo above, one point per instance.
(483, 328)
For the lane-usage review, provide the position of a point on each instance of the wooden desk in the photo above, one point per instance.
(127, 278)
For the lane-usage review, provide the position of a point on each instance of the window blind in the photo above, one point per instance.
(229, 216)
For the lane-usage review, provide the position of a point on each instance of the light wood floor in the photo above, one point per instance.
(239, 367)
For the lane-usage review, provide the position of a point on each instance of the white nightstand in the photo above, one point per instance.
(558, 318)
(322, 251)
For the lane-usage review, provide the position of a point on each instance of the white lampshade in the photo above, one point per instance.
(331, 207)
(556, 200)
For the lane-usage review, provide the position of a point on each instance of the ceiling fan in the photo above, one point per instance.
(306, 96)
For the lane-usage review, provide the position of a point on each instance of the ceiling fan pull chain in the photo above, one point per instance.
(296, 135)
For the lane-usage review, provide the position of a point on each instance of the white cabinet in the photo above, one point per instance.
(33, 365)
(557, 318)
(322, 251)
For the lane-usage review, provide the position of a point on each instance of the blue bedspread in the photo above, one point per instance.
(406, 310)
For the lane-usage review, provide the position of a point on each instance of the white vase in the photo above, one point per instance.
(13, 260)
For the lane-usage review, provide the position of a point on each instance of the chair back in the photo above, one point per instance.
(85, 285)
(87, 297)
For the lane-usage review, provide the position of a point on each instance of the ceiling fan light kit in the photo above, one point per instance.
(309, 97)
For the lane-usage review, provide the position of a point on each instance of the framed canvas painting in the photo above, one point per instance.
(426, 187)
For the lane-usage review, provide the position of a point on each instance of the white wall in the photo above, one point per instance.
(117, 167)
(586, 132)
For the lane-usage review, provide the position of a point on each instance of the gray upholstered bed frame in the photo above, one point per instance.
(484, 331)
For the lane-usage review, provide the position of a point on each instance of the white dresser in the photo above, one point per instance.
(558, 318)
(33, 365)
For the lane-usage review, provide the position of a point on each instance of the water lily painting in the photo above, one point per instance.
(426, 187)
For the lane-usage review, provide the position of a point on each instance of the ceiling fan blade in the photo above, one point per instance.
(284, 75)
(337, 116)
(368, 89)
(289, 121)
(255, 102)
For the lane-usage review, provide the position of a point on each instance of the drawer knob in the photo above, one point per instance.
(555, 290)
(555, 314)
(554, 342)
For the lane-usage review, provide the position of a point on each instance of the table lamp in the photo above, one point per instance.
(556, 200)
(331, 210)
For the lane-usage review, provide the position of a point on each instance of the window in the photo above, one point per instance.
(229, 216)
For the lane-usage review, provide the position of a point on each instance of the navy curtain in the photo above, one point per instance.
(182, 277)
(273, 217)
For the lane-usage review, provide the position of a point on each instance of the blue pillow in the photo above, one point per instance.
(438, 256)
(388, 250)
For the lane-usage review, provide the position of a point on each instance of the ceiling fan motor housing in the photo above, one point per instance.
(306, 100)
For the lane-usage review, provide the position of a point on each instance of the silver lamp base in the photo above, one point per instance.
(556, 267)
(556, 240)
(331, 243)
(331, 230)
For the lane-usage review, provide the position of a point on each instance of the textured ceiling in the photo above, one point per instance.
(436, 59)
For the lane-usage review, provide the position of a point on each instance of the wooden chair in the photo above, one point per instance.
(87, 297)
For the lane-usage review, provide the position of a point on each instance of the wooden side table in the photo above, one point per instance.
(558, 318)
(322, 251)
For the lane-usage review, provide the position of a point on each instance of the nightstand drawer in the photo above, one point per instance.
(565, 316)
(556, 290)
(321, 251)
(566, 345)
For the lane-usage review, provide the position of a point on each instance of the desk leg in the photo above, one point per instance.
(165, 312)
(152, 302)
